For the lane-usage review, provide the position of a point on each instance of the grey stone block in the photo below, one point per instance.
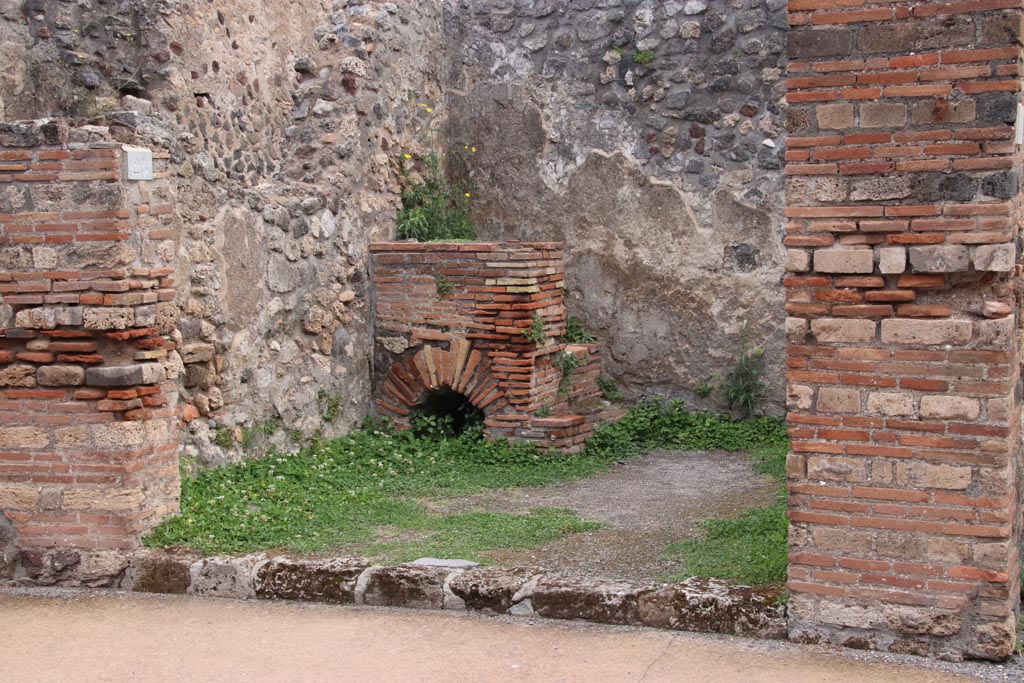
(224, 577)
(332, 580)
(403, 586)
(998, 258)
(940, 259)
(491, 588)
(116, 376)
(600, 600)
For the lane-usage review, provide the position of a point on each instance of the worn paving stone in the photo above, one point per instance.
(712, 606)
(491, 588)
(159, 571)
(603, 601)
(224, 577)
(403, 586)
(331, 580)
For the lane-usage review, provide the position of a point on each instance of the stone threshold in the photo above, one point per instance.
(698, 605)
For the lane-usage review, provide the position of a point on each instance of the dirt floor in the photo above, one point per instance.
(646, 504)
(59, 636)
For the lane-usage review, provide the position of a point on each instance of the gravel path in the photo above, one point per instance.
(646, 503)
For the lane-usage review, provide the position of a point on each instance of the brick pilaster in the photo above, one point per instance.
(88, 450)
(904, 381)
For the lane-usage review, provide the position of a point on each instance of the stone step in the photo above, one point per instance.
(701, 605)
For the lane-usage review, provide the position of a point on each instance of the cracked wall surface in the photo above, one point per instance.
(647, 136)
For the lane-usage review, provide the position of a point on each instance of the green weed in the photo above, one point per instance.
(567, 363)
(536, 333)
(575, 333)
(609, 389)
(442, 283)
(743, 387)
(330, 405)
(435, 208)
(224, 437)
(644, 56)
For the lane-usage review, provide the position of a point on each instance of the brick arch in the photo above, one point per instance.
(460, 368)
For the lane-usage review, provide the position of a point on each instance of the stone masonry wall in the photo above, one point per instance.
(647, 136)
(286, 123)
(903, 211)
(88, 450)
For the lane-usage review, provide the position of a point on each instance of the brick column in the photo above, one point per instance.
(88, 450)
(904, 382)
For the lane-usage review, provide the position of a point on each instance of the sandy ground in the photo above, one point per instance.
(62, 636)
(646, 503)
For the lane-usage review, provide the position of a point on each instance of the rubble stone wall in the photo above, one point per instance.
(903, 213)
(647, 136)
(286, 123)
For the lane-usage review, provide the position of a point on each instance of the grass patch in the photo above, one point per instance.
(752, 547)
(749, 549)
(361, 491)
(469, 535)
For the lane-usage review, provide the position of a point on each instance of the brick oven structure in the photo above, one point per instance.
(903, 296)
(457, 316)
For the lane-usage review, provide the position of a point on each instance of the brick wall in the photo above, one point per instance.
(904, 382)
(457, 315)
(88, 449)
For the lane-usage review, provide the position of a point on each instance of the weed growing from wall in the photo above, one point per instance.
(256, 438)
(742, 386)
(535, 333)
(434, 208)
(442, 283)
(224, 437)
(330, 405)
(568, 363)
(644, 56)
(575, 333)
(609, 389)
